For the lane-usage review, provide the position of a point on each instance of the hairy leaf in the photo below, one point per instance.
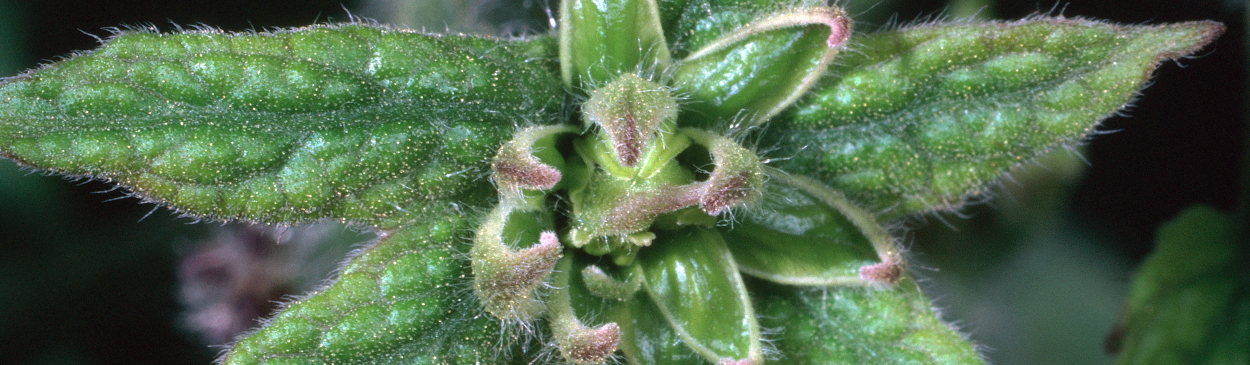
(353, 122)
(919, 118)
(848, 325)
(742, 62)
(400, 300)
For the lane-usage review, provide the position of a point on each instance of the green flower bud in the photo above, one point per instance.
(631, 112)
(519, 167)
(506, 280)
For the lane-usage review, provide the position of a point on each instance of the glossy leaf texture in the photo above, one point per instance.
(1190, 300)
(742, 63)
(403, 299)
(849, 325)
(354, 122)
(600, 39)
(692, 279)
(793, 238)
(919, 118)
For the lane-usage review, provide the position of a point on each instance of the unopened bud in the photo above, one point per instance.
(630, 111)
(506, 280)
(587, 346)
(601, 285)
(736, 178)
(881, 274)
(516, 167)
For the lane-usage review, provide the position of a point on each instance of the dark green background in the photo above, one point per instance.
(1036, 274)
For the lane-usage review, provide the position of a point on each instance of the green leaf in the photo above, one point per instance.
(1190, 302)
(600, 39)
(648, 339)
(848, 325)
(350, 122)
(919, 118)
(793, 238)
(754, 72)
(693, 24)
(400, 300)
(691, 277)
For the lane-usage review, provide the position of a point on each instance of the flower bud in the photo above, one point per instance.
(506, 280)
(631, 111)
(516, 166)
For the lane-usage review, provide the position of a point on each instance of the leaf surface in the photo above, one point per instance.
(919, 118)
(848, 325)
(401, 300)
(353, 122)
(793, 238)
(691, 278)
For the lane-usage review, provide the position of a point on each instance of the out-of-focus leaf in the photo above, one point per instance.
(919, 118)
(849, 325)
(1190, 301)
(353, 122)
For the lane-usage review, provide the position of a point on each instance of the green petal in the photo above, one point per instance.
(350, 122)
(1190, 302)
(756, 71)
(919, 118)
(693, 281)
(850, 325)
(793, 238)
(600, 39)
(398, 301)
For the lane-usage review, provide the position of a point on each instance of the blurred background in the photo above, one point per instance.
(1036, 275)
